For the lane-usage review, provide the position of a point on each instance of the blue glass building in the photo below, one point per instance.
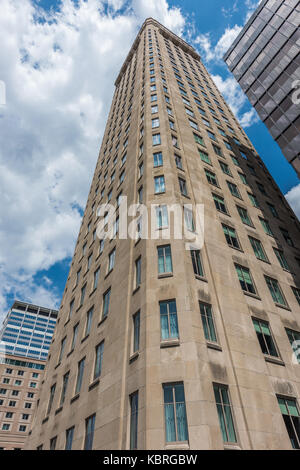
(27, 331)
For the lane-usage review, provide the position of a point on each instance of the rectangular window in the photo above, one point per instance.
(168, 320)
(275, 291)
(266, 226)
(159, 184)
(208, 322)
(155, 123)
(244, 216)
(265, 337)
(175, 413)
(287, 237)
(297, 294)
(83, 289)
(294, 338)
(204, 157)
(136, 332)
(138, 264)
(89, 318)
(64, 388)
(281, 258)
(178, 161)
(273, 210)
(96, 278)
(211, 177)
(89, 432)
(134, 403)
(225, 168)
(291, 417)
(106, 299)
(52, 392)
(196, 262)
(80, 372)
(62, 347)
(75, 334)
(253, 200)
(98, 360)
(164, 259)
(111, 259)
(234, 189)
(69, 438)
(71, 307)
(231, 236)
(224, 409)
(182, 186)
(198, 139)
(245, 279)
(162, 220)
(157, 159)
(258, 249)
(156, 140)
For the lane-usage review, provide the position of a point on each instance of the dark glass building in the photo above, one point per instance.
(265, 60)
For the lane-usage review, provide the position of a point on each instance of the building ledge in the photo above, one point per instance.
(169, 343)
(177, 446)
(274, 360)
(75, 398)
(58, 410)
(134, 357)
(94, 384)
(212, 345)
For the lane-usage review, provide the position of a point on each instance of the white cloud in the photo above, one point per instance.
(216, 53)
(59, 73)
(293, 198)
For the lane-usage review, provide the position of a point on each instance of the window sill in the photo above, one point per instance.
(177, 446)
(201, 278)
(161, 276)
(137, 241)
(74, 398)
(57, 365)
(169, 343)
(212, 345)
(45, 420)
(106, 275)
(274, 360)
(67, 322)
(83, 339)
(94, 384)
(94, 290)
(102, 321)
(232, 447)
(134, 357)
(283, 306)
(254, 296)
(79, 308)
(58, 410)
(85, 273)
(70, 352)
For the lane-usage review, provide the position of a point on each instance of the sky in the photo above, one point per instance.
(59, 61)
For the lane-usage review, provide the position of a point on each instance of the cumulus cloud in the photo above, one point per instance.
(59, 68)
(293, 198)
(216, 52)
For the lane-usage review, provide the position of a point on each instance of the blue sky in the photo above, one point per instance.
(59, 61)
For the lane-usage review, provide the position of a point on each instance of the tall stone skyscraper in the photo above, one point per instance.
(159, 346)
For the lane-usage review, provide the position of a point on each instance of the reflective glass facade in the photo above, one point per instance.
(265, 60)
(27, 331)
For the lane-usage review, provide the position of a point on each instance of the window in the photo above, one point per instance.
(235, 160)
(71, 307)
(275, 291)
(138, 272)
(175, 413)
(189, 220)
(9, 414)
(175, 141)
(193, 124)
(244, 216)
(156, 140)
(134, 402)
(272, 209)
(198, 139)
(253, 200)
(25, 416)
(178, 161)
(287, 237)
(80, 372)
(258, 249)
(162, 217)
(204, 156)
(64, 388)
(83, 289)
(164, 259)
(211, 177)
(5, 427)
(98, 360)
(96, 278)
(12, 403)
(75, 334)
(111, 259)
(261, 188)
(69, 438)
(196, 262)
(211, 135)
(157, 159)
(245, 279)
(52, 392)
(53, 443)
(217, 150)
(182, 186)
(136, 332)
(140, 195)
(231, 237)
(291, 417)
(243, 178)
(233, 189)
(224, 409)
(172, 124)
(155, 123)
(89, 432)
(225, 168)
(282, 259)
(106, 299)
(265, 338)
(159, 184)
(297, 294)
(208, 322)
(89, 318)
(168, 320)
(266, 226)
(141, 172)
(220, 203)
(294, 336)
(154, 109)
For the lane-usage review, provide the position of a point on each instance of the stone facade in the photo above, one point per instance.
(234, 358)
